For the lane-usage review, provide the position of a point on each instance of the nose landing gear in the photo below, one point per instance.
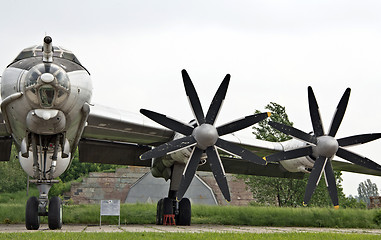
(42, 206)
(35, 208)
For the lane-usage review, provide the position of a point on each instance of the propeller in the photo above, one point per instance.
(204, 137)
(324, 147)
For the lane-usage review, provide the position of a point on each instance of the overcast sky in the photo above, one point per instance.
(274, 50)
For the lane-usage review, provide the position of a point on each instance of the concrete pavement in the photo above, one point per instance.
(190, 229)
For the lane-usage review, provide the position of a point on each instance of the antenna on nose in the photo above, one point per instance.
(47, 50)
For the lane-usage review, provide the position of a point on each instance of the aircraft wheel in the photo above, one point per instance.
(185, 213)
(32, 220)
(55, 213)
(159, 212)
(167, 206)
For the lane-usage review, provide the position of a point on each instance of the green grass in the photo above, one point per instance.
(225, 215)
(12, 210)
(274, 216)
(17, 197)
(184, 236)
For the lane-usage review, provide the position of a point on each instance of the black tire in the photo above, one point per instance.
(55, 213)
(185, 213)
(167, 206)
(159, 212)
(32, 220)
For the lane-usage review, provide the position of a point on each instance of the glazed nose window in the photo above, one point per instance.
(47, 93)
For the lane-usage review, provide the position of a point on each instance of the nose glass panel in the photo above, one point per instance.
(46, 96)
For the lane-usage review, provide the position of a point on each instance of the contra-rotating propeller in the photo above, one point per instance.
(324, 147)
(204, 137)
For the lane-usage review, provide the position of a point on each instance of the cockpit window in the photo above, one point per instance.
(46, 93)
(24, 54)
(32, 78)
(63, 80)
(57, 72)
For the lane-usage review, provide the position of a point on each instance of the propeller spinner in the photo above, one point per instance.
(324, 147)
(204, 137)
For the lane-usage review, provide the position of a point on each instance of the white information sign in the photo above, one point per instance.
(109, 208)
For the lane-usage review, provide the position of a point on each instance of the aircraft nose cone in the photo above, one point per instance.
(206, 135)
(327, 146)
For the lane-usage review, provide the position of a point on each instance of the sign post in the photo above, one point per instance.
(109, 208)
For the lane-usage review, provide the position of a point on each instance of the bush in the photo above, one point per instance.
(351, 202)
(377, 218)
(12, 176)
(60, 188)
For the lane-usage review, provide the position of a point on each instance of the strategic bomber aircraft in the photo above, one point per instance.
(46, 112)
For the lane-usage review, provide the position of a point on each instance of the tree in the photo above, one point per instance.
(285, 191)
(79, 169)
(12, 176)
(265, 132)
(367, 189)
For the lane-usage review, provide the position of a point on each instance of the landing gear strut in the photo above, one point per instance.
(42, 206)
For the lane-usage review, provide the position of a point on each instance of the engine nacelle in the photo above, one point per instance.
(162, 167)
(302, 164)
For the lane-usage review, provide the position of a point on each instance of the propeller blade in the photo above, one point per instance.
(193, 98)
(169, 147)
(295, 153)
(357, 159)
(241, 123)
(331, 183)
(168, 122)
(315, 114)
(238, 151)
(189, 172)
(294, 132)
(217, 101)
(339, 114)
(358, 139)
(218, 171)
(314, 178)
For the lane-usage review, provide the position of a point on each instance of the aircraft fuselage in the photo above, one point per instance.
(45, 107)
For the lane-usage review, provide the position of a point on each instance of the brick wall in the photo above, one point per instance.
(99, 186)
(240, 195)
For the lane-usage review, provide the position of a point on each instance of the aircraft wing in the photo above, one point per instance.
(263, 148)
(118, 137)
(349, 167)
(239, 166)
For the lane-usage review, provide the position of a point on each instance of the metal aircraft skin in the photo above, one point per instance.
(46, 112)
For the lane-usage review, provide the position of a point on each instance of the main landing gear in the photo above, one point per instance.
(172, 212)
